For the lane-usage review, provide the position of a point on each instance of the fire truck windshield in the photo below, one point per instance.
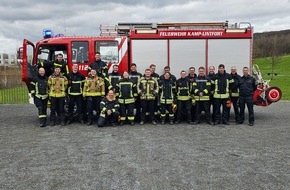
(48, 52)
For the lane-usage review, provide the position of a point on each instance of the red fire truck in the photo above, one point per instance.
(178, 45)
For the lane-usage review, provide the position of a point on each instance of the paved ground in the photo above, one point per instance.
(145, 157)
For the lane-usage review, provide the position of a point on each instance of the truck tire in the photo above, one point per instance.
(273, 94)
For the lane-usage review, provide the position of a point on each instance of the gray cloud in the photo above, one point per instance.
(26, 19)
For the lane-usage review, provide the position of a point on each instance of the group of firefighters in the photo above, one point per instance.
(114, 97)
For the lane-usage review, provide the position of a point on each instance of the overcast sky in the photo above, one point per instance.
(21, 19)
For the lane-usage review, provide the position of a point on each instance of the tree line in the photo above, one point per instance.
(271, 44)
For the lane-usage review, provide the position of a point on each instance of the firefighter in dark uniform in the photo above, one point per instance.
(183, 97)
(125, 90)
(167, 95)
(210, 75)
(57, 83)
(109, 110)
(75, 90)
(247, 86)
(192, 76)
(94, 90)
(148, 91)
(222, 82)
(234, 93)
(59, 62)
(99, 65)
(201, 90)
(39, 91)
(156, 77)
(114, 77)
(135, 77)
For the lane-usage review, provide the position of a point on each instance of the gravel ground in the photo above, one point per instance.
(145, 157)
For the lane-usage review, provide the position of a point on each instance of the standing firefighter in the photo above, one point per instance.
(39, 91)
(125, 90)
(148, 91)
(99, 65)
(210, 75)
(75, 90)
(59, 62)
(222, 82)
(201, 90)
(247, 86)
(109, 110)
(94, 90)
(57, 91)
(114, 77)
(234, 93)
(135, 76)
(167, 93)
(183, 97)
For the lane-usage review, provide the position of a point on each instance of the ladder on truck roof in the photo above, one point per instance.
(123, 29)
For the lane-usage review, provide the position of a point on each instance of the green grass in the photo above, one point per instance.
(16, 95)
(282, 68)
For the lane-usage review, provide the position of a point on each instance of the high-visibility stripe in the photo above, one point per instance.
(183, 98)
(221, 96)
(201, 98)
(126, 101)
(131, 118)
(42, 116)
(235, 94)
(123, 118)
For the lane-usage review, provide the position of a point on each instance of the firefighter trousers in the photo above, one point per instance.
(112, 119)
(78, 101)
(93, 103)
(250, 104)
(57, 105)
(224, 118)
(164, 108)
(202, 106)
(127, 111)
(137, 108)
(184, 106)
(235, 104)
(41, 105)
(147, 106)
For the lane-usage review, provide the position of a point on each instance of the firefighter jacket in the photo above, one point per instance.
(247, 86)
(201, 84)
(222, 85)
(235, 86)
(114, 79)
(125, 89)
(63, 67)
(108, 104)
(75, 83)
(39, 87)
(172, 77)
(148, 88)
(100, 66)
(94, 86)
(135, 77)
(57, 85)
(191, 80)
(183, 89)
(167, 91)
(155, 76)
(210, 76)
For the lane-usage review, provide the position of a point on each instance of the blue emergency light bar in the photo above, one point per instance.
(47, 33)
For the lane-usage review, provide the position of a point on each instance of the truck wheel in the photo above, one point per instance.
(273, 94)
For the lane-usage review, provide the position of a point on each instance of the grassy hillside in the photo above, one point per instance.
(282, 69)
